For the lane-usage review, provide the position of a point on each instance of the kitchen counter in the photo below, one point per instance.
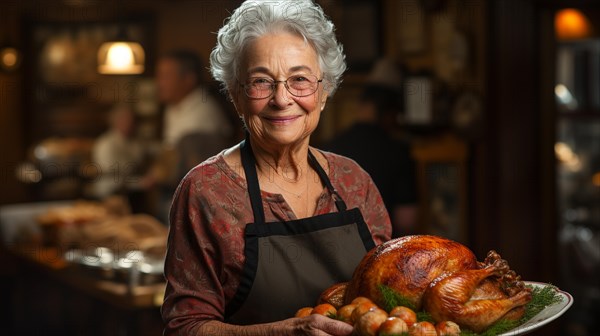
(50, 296)
(50, 262)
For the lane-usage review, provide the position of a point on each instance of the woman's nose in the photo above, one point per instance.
(281, 96)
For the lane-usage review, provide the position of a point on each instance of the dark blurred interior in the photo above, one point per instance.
(500, 108)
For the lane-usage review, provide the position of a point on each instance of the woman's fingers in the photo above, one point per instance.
(336, 328)
(320, 325)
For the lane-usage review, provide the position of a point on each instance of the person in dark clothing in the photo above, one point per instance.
(364, 141)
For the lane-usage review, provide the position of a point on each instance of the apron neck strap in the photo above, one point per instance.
(249, 164)
(339, 202)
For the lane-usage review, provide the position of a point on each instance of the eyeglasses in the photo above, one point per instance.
(297, 85)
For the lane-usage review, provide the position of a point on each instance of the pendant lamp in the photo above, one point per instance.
(121, 56)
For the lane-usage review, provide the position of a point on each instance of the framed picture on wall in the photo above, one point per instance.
(360, 32)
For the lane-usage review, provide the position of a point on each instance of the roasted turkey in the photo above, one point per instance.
(439, 276)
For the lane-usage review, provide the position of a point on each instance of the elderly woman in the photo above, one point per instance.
(261, 229)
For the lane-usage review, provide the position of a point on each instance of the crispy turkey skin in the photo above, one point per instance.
(442, 277)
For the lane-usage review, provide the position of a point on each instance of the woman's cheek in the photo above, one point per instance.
(250, 112)
(309, 104)
(254, 124)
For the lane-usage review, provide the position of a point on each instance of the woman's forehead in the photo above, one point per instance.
(281, 52)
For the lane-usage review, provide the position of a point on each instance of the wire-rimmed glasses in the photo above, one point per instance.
(297, 85)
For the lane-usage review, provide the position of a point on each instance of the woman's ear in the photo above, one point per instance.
(324, 94)
(234, 97)
(324, 97)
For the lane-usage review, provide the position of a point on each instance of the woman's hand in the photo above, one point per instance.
(313, 325)
(319, 325)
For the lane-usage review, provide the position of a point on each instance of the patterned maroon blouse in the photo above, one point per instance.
(211, 207)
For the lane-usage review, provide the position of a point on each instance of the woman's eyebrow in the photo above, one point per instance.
(262, 69)
(300, 67)
(258, 69)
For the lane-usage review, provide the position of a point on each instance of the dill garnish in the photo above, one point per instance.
(541, 297)
(424, 316)
(392, 299)
(495, 329)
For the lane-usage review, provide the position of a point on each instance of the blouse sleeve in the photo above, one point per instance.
(194, 294)
(375, 213)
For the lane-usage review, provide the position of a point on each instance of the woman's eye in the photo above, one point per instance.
(299, 79)
(260, 81)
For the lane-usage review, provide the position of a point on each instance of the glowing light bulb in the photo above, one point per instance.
(571, 24)
(120, 56)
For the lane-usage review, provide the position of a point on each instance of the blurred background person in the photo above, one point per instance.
(195, 126)
(394, 174)
(190, 108)
(117, 154)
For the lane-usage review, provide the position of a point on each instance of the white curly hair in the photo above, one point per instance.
(254, 19)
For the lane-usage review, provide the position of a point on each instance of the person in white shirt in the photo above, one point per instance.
(189, 106)
(195, 126)
(117, 154)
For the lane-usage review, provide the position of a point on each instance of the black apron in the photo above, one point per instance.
(289, 264)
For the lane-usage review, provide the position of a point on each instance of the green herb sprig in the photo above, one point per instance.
(542, 297)
(392, 299)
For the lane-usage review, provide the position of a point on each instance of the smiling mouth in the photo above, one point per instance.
(281, 120)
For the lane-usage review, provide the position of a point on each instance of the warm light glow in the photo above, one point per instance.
(596, 179)
(9, 58)
(121, 58)
(566, 156)
(563, 151)
(571, 24)
(57, 53)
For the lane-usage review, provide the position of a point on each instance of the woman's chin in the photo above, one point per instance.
(286, 137)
